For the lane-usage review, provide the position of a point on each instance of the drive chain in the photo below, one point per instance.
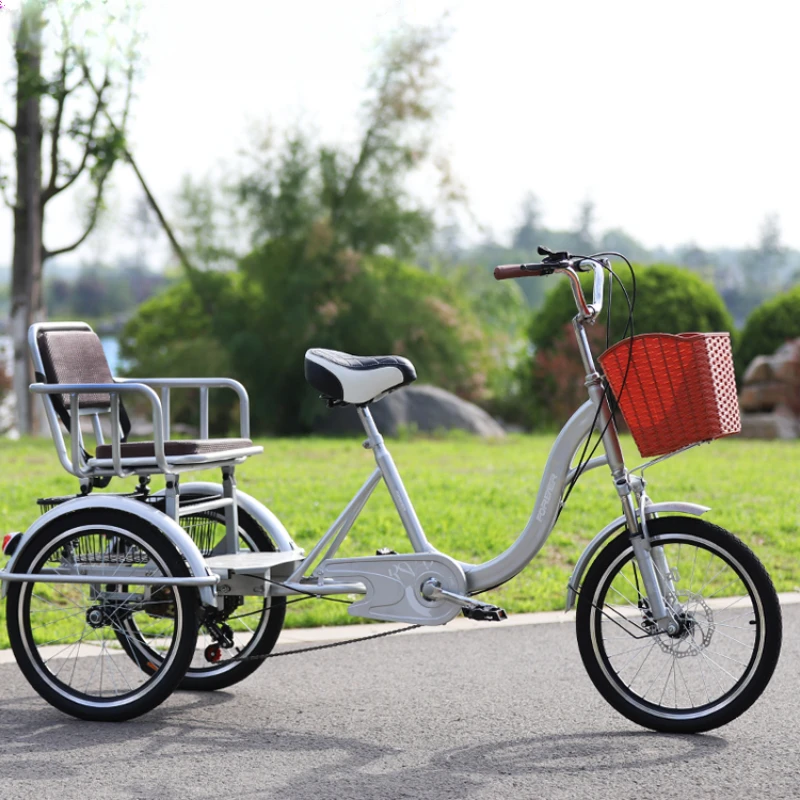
(323, 646)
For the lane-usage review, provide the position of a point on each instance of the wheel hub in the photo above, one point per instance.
(695, 628)
(101, 616)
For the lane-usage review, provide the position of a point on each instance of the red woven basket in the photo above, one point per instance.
(679, 390)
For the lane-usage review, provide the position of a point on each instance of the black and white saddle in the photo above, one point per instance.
(359, 380)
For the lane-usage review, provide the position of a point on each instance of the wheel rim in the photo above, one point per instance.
(712, 658)
(70, 631)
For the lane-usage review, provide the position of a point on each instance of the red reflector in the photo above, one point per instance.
(6, 539)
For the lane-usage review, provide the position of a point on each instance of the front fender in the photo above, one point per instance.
(613, 528)
(176, 535)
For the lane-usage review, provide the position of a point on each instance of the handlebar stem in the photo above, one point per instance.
(585, 310)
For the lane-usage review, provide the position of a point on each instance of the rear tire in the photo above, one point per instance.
(725, 652)
(66, 636)
(256, 623)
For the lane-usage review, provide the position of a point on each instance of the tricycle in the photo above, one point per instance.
(114, 600)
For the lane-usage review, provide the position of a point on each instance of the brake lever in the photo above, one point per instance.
(551, 257)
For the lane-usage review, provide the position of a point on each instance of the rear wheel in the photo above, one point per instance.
(66, 636)
(723, 654)
(231, 642)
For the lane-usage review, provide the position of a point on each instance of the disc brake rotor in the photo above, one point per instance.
(696, 630)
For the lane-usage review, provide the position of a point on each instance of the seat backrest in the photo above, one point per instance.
(63, 354)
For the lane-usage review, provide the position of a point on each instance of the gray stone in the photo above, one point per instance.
(765, 396)
(770, 394)
(759, 371)
(769, 426)
(418, 408)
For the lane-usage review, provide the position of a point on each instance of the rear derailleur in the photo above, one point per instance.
(222, 634)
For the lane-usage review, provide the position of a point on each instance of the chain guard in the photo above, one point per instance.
(394, 586)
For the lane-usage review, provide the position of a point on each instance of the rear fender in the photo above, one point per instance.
(258, 511)
(177, 536)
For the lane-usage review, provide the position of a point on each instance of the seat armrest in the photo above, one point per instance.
(77, 466)
(203, 384)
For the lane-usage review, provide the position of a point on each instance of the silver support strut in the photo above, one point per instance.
(231, 511)
(171, 495)
(394, 483)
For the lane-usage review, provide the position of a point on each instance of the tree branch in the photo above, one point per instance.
(179, 251)
(52, 190)
(98, 196)
(129, 76)
(366, 143)
(56, 131)
(8, 125)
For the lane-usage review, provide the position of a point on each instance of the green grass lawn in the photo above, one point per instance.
(473, 498)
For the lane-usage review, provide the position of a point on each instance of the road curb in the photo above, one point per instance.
(298, 637)
(336, 633)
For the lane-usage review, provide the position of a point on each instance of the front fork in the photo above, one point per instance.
(653, 566)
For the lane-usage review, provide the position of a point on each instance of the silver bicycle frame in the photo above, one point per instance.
(594, 414)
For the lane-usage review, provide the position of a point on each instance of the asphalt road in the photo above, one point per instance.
(484, 714)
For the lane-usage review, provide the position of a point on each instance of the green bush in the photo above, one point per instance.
(768, 327)
(171, 336)
(668, 300)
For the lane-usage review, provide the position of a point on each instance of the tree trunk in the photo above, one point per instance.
(26, 281)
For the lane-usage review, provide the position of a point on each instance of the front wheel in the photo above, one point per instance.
(723, 654)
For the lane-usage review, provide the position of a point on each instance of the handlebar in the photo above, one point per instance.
(568, 265)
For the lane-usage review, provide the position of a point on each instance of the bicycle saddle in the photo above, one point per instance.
(359, 380)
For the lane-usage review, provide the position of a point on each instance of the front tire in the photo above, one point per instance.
(723, 656)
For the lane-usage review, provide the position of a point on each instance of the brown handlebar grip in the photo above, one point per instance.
(507, 271)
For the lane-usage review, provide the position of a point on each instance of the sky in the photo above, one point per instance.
(678, 121)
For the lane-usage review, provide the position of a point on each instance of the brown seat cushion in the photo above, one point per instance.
(181, 447)
(76, 357)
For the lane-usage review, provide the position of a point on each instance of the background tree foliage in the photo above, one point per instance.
(329, 229)
(768, 327)
(317, 250)
(96, 291)
(68, 83)
(669, 299)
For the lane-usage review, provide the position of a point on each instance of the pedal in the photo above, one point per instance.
(485, 613)
(385, 551)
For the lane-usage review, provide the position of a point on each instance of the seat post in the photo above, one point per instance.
(231, 511)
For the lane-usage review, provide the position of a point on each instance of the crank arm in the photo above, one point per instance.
(473, 609)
